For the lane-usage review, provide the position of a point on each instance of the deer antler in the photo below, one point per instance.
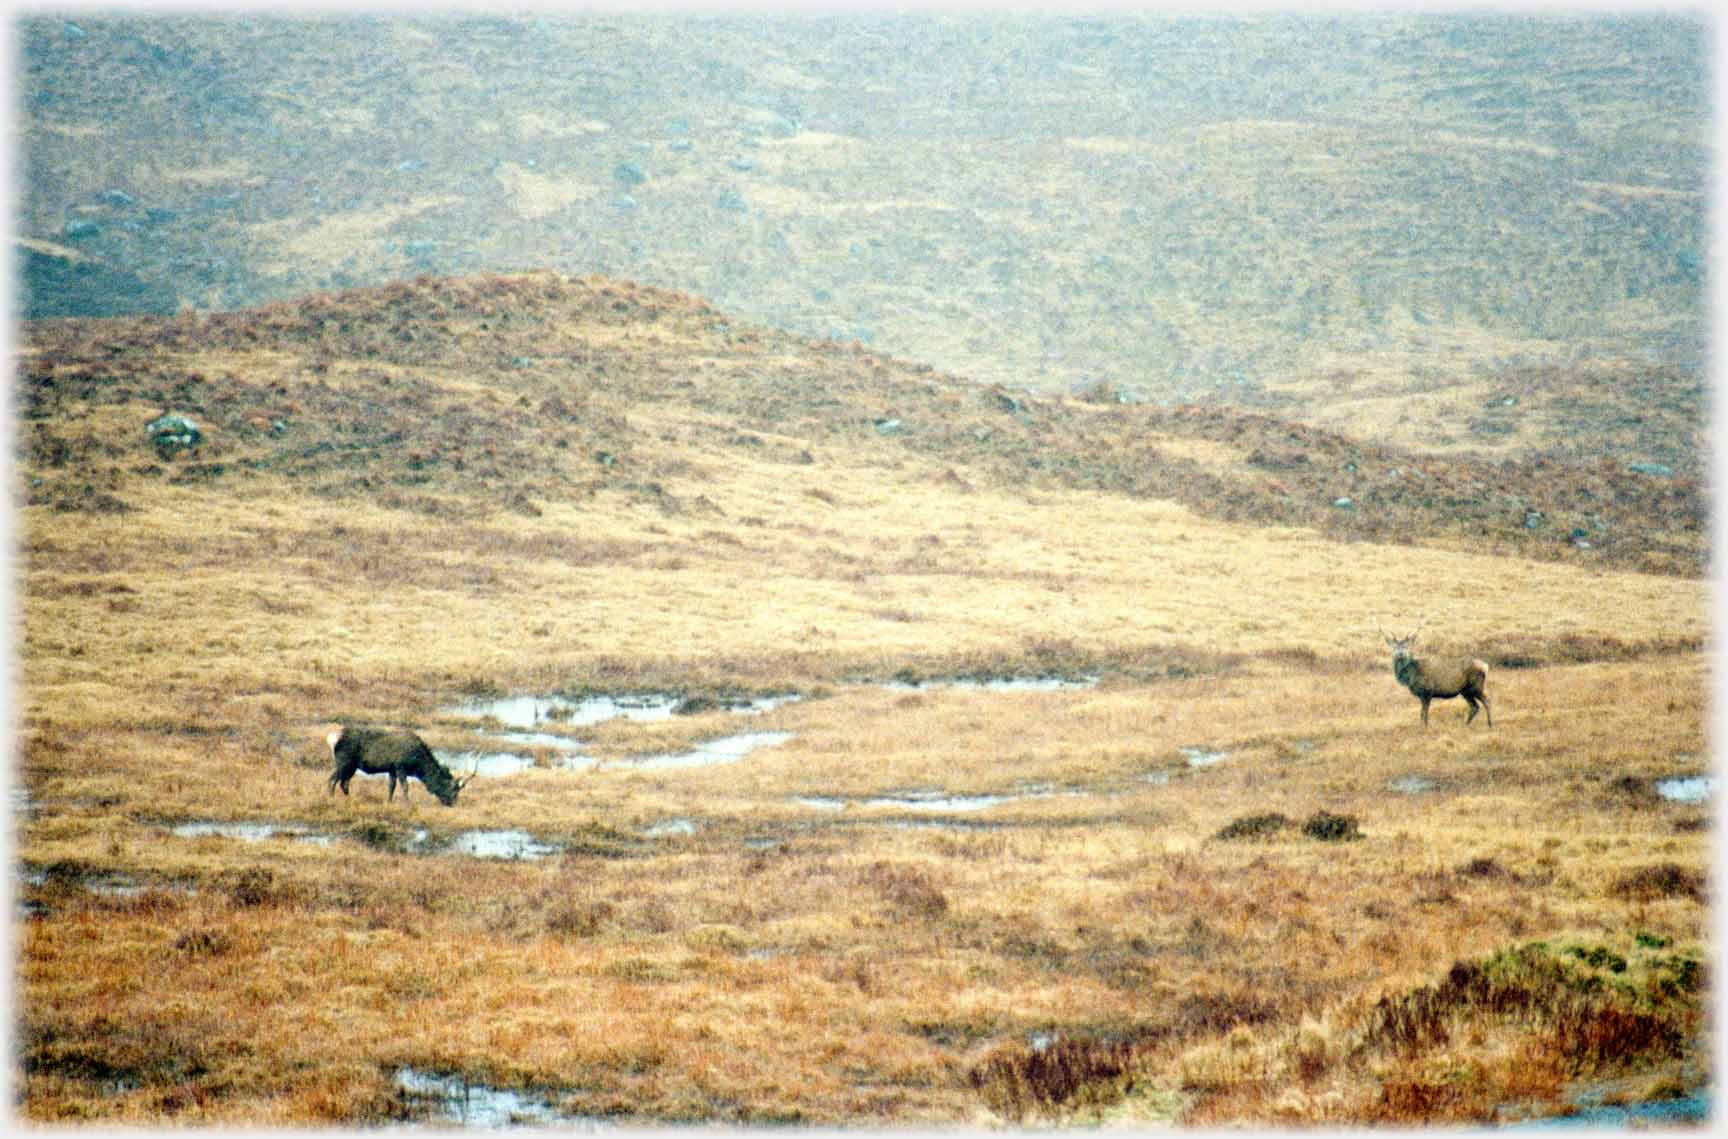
(473, 770)
(1420, 625)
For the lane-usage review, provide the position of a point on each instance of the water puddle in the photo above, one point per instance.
(504, 844)
(488, 763)
(250, 832)
(1412, 784)
(115, 886)
(1201, 757)
(1687, 788)
(938, 802)
(110, 885)
(1687, 1109)
(997, 684)
(727, 749)
(671, 827)
(1156, 778)
(453, 1099)
(524, 715)
(540, 739)
(935, 801)
(511, 845)
(942, 824)
(526, 712)
(496, 763)
(762, 704)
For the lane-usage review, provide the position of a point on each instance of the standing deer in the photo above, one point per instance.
(1439, 678)
(400, 754)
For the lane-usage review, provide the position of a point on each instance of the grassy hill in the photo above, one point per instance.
(1222, 874)
(460, 395)
(1315, 215)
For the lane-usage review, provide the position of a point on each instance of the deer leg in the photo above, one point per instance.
(392, 796)
(1487, 709)
(340, 778)
(1424, 711)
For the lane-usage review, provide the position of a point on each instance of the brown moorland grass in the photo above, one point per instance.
(805, 934)
(862, 963)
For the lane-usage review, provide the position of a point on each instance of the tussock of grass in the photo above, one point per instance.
(1664, 880)
(1588, 1023)
(908, 889)
(1257, 826)
(1328, 827)
(1065, 1073)
(1322, 825)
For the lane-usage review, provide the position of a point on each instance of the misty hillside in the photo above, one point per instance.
(1312, 215)
(463, 397)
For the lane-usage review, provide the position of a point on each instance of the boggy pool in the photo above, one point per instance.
(456, 1100)
(478, 843)
(524, 714)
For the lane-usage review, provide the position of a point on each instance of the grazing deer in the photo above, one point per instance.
(401, 755)
(1439, 678)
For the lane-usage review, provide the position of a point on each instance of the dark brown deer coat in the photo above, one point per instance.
(400, 754)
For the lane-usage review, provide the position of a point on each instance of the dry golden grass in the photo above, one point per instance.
(870, 562)
(808, 940)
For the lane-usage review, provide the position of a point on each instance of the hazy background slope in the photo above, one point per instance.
(1316, 214)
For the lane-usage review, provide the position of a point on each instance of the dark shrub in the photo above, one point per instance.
(1631, 787)
(1256, 826)
(202, 942)
(1483, 868)
(1663, 880)
(1328, 827)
